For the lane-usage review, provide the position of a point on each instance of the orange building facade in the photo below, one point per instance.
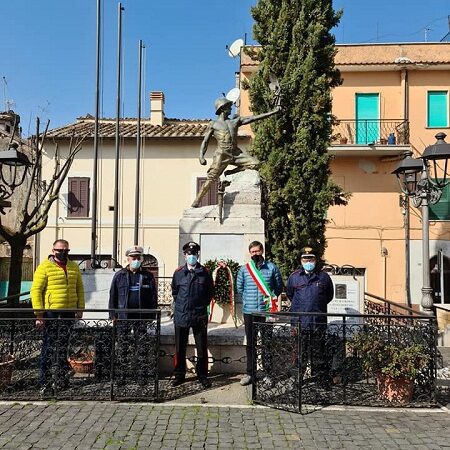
(394, 98)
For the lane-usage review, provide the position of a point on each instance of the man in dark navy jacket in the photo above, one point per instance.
(310, 290)
(133, 288)
(192, 291)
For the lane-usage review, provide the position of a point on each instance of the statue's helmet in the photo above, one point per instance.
(220, 103)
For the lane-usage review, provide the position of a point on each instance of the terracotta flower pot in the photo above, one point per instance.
(397, 390)
(84, 364)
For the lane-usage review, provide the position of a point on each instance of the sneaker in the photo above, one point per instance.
(177, 381)
(268, 382)
(206, 384)
(246, 380)
(46, 392)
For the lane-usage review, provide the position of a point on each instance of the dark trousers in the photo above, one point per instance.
(314, 351)
(133, 350)
(201, 344)
(266, 335)
(57, 329)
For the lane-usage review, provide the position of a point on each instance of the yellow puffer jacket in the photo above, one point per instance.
(53, 289)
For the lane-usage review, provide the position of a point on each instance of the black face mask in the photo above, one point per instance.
(258, 260)
(61, 255)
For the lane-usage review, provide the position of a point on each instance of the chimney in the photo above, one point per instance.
(157, 108)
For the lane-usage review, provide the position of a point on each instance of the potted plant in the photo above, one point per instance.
(395, 365)
(82, 362)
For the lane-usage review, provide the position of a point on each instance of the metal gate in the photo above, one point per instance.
(296, 366)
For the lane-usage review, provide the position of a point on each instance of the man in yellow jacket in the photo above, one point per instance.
(57, 286)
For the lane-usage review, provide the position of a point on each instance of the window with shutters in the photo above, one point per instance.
(437, 109)
(78, 197)
(441, 210)
(210, 197)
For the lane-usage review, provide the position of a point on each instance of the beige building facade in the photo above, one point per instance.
(170, 178)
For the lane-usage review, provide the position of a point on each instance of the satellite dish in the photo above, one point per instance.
(235, 48)
(233, 95)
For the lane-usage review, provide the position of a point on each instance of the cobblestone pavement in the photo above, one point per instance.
(141, 426)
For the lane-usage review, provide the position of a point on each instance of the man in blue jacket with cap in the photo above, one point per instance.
(310, 290)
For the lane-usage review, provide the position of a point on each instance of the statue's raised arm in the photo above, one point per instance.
(249, 119)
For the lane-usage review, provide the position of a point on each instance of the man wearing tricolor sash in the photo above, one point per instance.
(258, 284)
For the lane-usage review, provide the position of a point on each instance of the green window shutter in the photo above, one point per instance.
(437, 109)
(441, 210)
(367, 118)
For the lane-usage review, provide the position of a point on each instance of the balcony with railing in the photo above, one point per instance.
(386, 136)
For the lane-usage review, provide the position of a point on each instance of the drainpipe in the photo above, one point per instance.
(405, 93)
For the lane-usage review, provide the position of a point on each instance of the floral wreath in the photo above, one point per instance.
(224, 276)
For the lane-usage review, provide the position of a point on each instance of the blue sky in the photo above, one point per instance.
(48, 50)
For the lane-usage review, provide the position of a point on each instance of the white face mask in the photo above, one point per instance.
(135, 264)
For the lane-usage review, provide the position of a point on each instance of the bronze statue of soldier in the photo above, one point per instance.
(225, 131)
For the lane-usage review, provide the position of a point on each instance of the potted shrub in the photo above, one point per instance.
(82, 362)
(395, 365)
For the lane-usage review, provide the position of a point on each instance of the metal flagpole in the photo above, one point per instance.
(95, 169)
(138, 150)
(116, 172)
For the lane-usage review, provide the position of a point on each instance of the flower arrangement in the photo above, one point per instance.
(224, 276)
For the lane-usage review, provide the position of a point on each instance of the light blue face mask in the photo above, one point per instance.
(135, 264)
(309, 266)
(192, 260)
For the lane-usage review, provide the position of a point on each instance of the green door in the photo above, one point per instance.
(367, 118)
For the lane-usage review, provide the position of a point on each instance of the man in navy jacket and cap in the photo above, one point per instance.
(310, 290)
(192, 291)
(133, 288)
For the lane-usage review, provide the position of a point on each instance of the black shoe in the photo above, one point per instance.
(177, 381)
(206, 384)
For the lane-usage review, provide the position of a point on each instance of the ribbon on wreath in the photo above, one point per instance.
(270, 299)
(231, 296)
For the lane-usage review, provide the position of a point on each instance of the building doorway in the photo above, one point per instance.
(440, 277)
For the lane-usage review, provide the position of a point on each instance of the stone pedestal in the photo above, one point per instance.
(226, 348)
(242, 222)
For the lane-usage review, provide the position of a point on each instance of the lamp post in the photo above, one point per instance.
(423, 181)
(14, 160)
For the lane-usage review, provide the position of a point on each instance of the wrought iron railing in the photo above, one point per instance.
(374, 304)
(305, 359)
(368, 132)
(164, 295)
(164, 292)
(97, 359)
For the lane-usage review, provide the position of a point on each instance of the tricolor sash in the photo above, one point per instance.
(270, 299)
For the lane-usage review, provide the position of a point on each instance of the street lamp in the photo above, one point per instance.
(423, 181)
(14, 160)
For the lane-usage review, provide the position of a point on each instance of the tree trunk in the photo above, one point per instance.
(17, 245)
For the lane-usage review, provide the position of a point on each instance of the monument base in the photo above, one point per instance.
(230, 237)
(226, 348)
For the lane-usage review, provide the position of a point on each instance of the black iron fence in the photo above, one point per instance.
(364, 132)
(93, 358)
(321, 359)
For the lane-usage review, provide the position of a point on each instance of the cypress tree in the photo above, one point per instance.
(298, 48)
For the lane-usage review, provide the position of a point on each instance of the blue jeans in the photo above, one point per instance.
(55, 343)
